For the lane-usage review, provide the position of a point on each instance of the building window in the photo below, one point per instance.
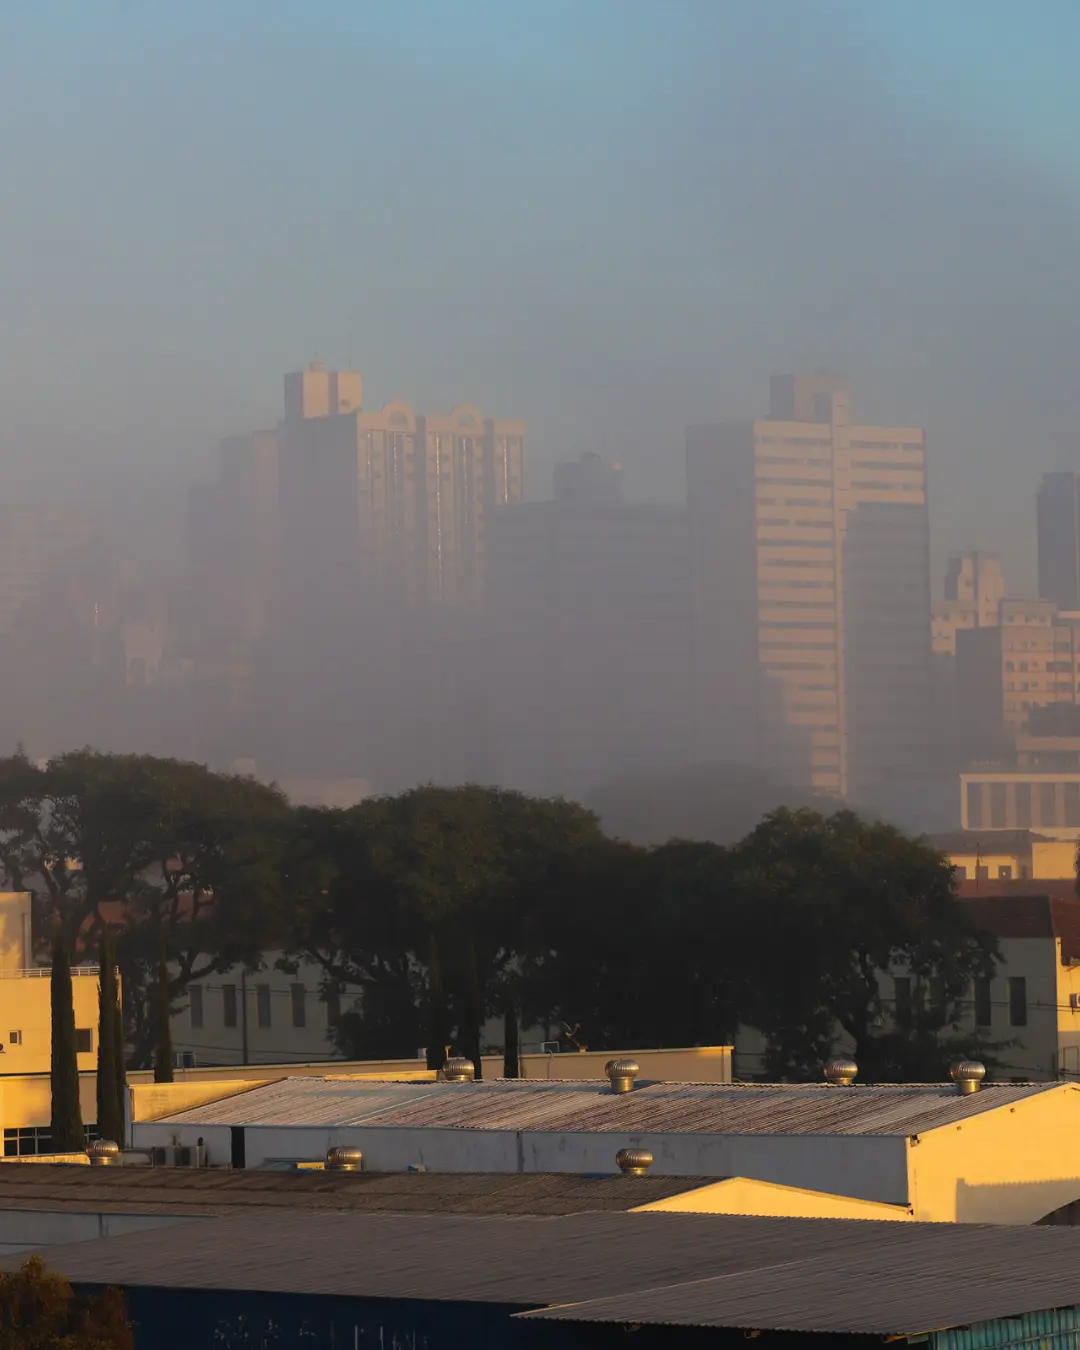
(195, 995)
(333, 1004)
(961, 871)
(984, 1009)
(902, 1001)
(15, 1038)
(228, 1004)
(982, 872)
(299, 1008)
(1018, 1001)
(84, 1041)
(1004, 872)
(262, 1005)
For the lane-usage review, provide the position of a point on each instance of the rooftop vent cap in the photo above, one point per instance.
(104, 1153)
(344, 1159)
(459, 1069)
(633, 1162)
(968, 1075)
(841, 1072)
(621, 1073)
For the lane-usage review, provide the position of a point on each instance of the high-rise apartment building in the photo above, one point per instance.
(810, 555)
(384, 531)
(589, 625)
(393, 500)
(1058, 515)
(974, 590)
(1022, 674)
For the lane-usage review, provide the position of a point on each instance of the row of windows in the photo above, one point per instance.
(34, 1139)
(905, 992)
(264, 994)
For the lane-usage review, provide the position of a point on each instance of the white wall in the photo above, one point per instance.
(868, 1167)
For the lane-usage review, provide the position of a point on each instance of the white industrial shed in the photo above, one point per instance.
(855, 1141)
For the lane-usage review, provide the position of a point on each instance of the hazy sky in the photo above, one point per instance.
(610, 217)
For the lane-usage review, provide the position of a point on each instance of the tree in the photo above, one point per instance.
(68, 1135)
(163, 1052)
(430, 903)
(835, 902)
(169, 852)
(40, 1311)
(110, 1068)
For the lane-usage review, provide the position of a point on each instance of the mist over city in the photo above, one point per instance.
(348, 437)
(539, 674)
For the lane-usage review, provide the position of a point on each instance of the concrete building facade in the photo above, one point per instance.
(1058, 515)
(810, 563)
(589, 628)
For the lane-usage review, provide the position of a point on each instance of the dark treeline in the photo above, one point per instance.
(448, 907)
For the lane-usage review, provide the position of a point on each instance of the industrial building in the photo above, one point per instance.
(1003, 1154)
(583, 1279)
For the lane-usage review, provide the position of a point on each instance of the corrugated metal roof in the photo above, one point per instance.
(653, 1108)
(206, 1191)
(790, 1274)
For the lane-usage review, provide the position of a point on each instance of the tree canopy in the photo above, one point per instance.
(449, 907)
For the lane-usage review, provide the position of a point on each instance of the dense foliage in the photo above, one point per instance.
(450, 907)
(40, 1311)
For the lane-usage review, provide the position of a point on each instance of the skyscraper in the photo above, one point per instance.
(1058, 513)
(810, 553)
(384, 525)
(589, 620)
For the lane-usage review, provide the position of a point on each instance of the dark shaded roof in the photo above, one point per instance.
(212, 1191)
(991, 841)
(793, 1274)
(1018, 887)
(652, 1108)
(1030, 916)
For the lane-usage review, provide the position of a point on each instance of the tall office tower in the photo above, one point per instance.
(1058, 514)
(589, 625)
(810, 554)
(384, 523)
(233, 531)
(589, 480)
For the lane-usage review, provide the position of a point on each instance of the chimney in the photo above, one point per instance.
(633, 1162)
(841, 1072)
(967, 1074)
(621, 1073)
(458, 1069)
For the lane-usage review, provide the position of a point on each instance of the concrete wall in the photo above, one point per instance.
(25, 1009)
(1012, 1165)
(740, 1195)
(866, 1167)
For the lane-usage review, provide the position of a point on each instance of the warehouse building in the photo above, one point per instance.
(1002, 1154)
(516, 1279)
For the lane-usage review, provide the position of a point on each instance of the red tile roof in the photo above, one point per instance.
(1030, 916)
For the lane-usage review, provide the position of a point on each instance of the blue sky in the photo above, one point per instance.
(611, 217)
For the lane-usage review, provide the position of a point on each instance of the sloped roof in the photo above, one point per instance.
(821, 1275)
(1030, 916)
(652, 1108)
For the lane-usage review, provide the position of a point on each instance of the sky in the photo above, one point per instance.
(609, 217)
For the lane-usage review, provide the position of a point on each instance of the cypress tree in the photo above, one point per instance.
(110, 1124)
(163, 1055)
(511, 1054)
(121, 1060)
(67, 1126)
